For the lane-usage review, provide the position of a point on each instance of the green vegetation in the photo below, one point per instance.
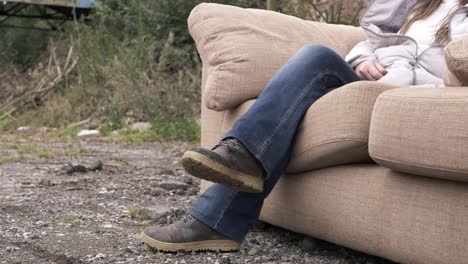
(10, 159)
(72, 220)
(138, 213)
(135, 61)
(130, 61)
(182, 130)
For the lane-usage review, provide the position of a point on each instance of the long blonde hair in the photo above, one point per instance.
(424, 10)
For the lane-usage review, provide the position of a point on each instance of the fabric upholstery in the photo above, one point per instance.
(334, 131)
(422, 131)
(373, 209)
(370, 208)
(450, 80)
(408, 219)
(456, 56)
(243, 48)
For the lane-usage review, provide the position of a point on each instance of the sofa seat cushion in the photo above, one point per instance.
(241, 49)
(335, 130)
(456, 57)
(422, 131)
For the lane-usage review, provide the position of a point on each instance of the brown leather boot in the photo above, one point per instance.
(228, 163)
(188, 234)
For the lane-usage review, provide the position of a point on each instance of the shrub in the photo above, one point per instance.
(130, 61)
(135, 61)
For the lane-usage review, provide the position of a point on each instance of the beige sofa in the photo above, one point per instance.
(376, 168)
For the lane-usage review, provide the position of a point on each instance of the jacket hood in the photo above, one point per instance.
(384, 16)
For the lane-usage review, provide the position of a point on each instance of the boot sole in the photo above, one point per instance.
(208, 245)
(204, 168)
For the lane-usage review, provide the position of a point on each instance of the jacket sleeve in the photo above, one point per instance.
(361, 52)
(459, 24)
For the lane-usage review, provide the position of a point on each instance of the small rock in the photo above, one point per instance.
(96, 166)
(45, 183)
(12, 249)
(67, 168)
(309, 243)
(173, 185)
(80, 169)
(225, 260)
(141, 127)
(89, 133)
(24, 129)
(158, 212)
(26, 235)
(192, 191)
(39, 223)
(156, 192)
(129, 250)
(93, 123)
(103, 190)
(115, 133)
(187, 179)
(168, 172)
(180, 192)
(99, 256)
(253, 251)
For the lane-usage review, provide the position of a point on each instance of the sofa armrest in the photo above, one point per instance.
(241, 49)
(456, 57)
(422, 131)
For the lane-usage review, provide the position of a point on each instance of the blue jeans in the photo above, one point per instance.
(268, 130)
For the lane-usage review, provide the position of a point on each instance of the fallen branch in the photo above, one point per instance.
(44, 87)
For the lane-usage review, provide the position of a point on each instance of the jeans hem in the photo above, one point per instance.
(200, 217)
(250, 149)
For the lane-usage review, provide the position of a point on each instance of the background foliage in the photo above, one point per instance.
(131, 61)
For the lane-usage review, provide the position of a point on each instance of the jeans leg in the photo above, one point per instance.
(268, 129)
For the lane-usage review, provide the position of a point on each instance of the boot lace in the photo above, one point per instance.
(186, 218)
(233, 145)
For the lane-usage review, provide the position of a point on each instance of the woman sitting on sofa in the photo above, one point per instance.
(405, 47)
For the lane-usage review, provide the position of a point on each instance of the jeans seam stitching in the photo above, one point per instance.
(288, 114)
(221, 215)
(285, 117)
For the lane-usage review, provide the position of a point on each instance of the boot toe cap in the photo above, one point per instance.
(157, 233)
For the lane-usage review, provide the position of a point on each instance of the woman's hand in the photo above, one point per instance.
(370, 70)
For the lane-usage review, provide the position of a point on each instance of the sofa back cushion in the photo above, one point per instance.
(456, 57)
(241, 49)
(422, 131)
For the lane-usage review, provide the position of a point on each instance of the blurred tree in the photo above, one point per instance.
(272, 5)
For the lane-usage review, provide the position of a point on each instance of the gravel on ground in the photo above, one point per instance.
(57, 205)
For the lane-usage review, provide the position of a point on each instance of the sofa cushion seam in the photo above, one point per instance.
(459, 98)
(329, 142)
(418, 166)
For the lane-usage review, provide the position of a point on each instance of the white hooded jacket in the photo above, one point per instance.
(401, 54)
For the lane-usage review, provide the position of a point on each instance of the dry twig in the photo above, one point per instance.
(56, 72)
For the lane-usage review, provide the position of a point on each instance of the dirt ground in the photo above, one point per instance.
(50, 216)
